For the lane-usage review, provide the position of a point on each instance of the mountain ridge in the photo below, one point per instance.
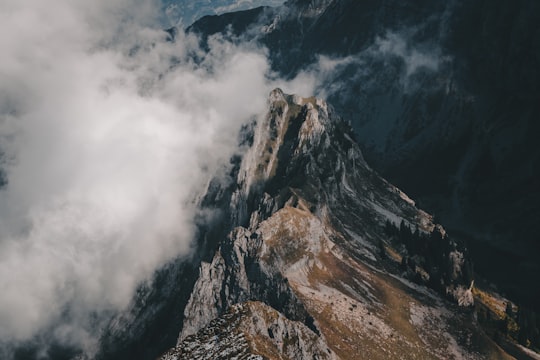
(313, 247)
(441, 97)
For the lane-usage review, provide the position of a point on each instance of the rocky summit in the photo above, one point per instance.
(311, 266)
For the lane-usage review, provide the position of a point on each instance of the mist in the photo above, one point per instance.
(105, 145)
(396, 44)
(392, 53)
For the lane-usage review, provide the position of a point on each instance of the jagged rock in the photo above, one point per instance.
(251, 331)
(309, 218)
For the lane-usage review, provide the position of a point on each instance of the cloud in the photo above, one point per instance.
(105, 146)
(392, 61)
(395, 44)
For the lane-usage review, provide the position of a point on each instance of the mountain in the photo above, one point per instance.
(304, 251)
(443, 98)
(186, 12)
(310, 254)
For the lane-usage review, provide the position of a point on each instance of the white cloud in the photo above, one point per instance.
(392, 59)
(396, 44)
(105, 147)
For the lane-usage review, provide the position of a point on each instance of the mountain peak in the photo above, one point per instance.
(317, 243)
(292, 125)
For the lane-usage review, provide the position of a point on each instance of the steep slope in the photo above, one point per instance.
(308, 239)
(443, 99)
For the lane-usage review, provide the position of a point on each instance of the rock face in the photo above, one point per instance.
(443, 99)
(254, 331)
(307, 269)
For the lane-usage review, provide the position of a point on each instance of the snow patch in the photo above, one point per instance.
(432, 327)
(363, 247)
(418, 288)
(347, 309)
(393, 218)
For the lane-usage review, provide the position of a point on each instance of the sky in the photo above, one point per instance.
(185, 12)
(105, 146)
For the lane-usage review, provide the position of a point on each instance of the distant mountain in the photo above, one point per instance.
(186, 12)
(443, 98)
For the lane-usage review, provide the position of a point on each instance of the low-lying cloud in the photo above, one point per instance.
(395, 44)
(390, 56)
(105, 146)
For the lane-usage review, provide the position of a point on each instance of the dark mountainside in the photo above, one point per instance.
(444, 98)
